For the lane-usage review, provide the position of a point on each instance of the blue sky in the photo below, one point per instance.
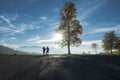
(30, 24)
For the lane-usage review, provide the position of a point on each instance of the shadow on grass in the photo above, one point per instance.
(71, 67)
(94, 67)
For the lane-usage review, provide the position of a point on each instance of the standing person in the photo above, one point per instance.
(47, 50)
(43, 50)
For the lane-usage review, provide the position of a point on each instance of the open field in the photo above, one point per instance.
(60, 67)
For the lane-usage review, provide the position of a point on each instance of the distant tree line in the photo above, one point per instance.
(111, 41)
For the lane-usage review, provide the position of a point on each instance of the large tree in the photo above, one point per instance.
(109, 41)
(69, 27)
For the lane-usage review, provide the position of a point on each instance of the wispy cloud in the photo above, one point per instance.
(40, 40)
(45, 41)
(29, 46)
(44, 18)
(56, 9)
(12, 29)
(15, 17)
(2, 41)
(90, 42)
(13, 38)
(87, 10)
(105, 29)
(8, 21)
(5, 29)
(37, 38)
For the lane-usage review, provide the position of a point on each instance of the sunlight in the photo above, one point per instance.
(58, 56)
(58, 36)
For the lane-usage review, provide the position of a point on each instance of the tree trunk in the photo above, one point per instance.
(111, 49)
(69, 47)
(111, 45)
(68, 38)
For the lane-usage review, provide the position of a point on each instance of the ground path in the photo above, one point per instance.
(60, 67)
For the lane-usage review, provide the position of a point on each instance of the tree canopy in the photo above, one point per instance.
(109, 41)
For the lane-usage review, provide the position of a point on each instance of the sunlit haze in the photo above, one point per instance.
(58, 36)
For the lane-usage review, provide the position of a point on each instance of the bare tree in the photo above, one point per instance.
(94, 46)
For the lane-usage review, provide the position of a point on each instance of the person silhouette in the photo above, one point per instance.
(43, 50)
(47, 50)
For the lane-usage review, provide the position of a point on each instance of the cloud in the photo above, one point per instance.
(5, 29)
(37, 38)
(28, 16)
(2, 41)
(18, 28)
(87, 10)
(40, 40)
(22, 28)
(90, 42)
(54, 25)
(45, 41)
(84, 23)
(14, 17)
(5, 19)
(9, 35)
(43, 18)
(13, 38)
(8, 21)
(56, 9)
(23, 47)
(106, 29)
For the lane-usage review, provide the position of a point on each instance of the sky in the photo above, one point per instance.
(28, 25)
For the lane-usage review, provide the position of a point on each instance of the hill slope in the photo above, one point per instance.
(7, 50)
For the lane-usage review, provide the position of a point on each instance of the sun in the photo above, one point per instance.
(58, 36)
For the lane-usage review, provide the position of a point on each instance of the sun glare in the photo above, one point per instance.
(58, 36)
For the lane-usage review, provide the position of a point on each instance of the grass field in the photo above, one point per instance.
(60, 67)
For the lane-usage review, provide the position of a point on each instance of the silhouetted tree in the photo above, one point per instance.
(94, 46)
(109, 41)
(69, 27)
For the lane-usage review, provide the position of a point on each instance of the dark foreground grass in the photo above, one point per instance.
(94, 67)
(60, 67)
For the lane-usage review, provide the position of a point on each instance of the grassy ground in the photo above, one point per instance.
(60, 67)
